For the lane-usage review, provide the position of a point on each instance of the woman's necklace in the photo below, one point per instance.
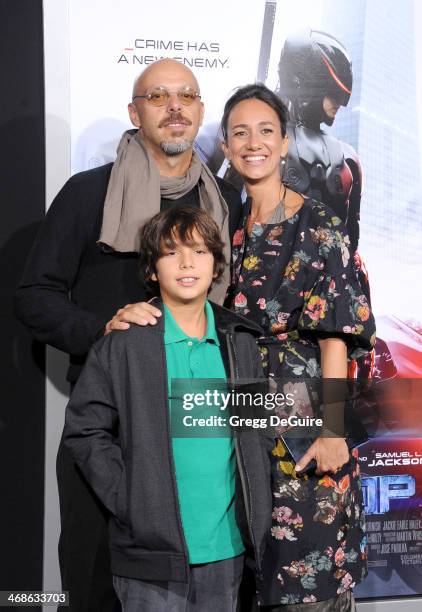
(275, 215)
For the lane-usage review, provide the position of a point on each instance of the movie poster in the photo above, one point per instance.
(355, 144)
(392, 485)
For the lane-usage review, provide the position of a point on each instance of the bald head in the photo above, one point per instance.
(163, 72)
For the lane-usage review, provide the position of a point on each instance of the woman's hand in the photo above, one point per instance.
(330, 455)
(330, 450)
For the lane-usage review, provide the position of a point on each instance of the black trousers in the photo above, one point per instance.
(83, 546)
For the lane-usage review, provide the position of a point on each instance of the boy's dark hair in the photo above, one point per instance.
(177, 224)
(257, 91)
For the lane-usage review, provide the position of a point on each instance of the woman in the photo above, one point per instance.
(293, 275)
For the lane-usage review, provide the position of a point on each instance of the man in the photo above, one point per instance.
(83, 268)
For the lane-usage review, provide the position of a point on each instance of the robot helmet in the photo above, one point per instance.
(313, 65)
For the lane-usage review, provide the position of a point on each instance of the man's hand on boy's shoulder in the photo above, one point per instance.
(141, 313)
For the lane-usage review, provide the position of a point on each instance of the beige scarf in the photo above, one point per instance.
(134, 195)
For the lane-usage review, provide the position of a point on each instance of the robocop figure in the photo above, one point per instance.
(315, 79)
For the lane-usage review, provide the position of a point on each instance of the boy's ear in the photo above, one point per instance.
(154, 277)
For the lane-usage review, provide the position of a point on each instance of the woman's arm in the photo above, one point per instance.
(330, 450)
(333, 357)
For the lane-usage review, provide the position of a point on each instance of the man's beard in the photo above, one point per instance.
(175, 148)
(170, 147)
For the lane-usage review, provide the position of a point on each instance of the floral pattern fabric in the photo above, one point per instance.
(317, 545)
(297, 280)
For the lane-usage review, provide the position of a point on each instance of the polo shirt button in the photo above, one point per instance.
(190, 343)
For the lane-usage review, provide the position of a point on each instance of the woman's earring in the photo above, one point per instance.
(282, 167)
(225, 167)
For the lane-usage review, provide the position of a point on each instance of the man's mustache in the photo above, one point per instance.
(174, 118)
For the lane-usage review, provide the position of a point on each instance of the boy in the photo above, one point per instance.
(174, 537)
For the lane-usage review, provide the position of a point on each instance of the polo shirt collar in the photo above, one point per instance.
(173, 333)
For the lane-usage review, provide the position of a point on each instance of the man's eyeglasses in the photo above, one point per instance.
(160, 96)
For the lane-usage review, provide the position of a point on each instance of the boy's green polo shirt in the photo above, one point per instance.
(205, 467)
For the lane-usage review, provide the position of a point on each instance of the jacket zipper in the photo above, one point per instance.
(242, 472)
(173, 474)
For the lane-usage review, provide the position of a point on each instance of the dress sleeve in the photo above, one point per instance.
(336, 304)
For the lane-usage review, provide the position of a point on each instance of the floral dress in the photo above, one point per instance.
(296, 279)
